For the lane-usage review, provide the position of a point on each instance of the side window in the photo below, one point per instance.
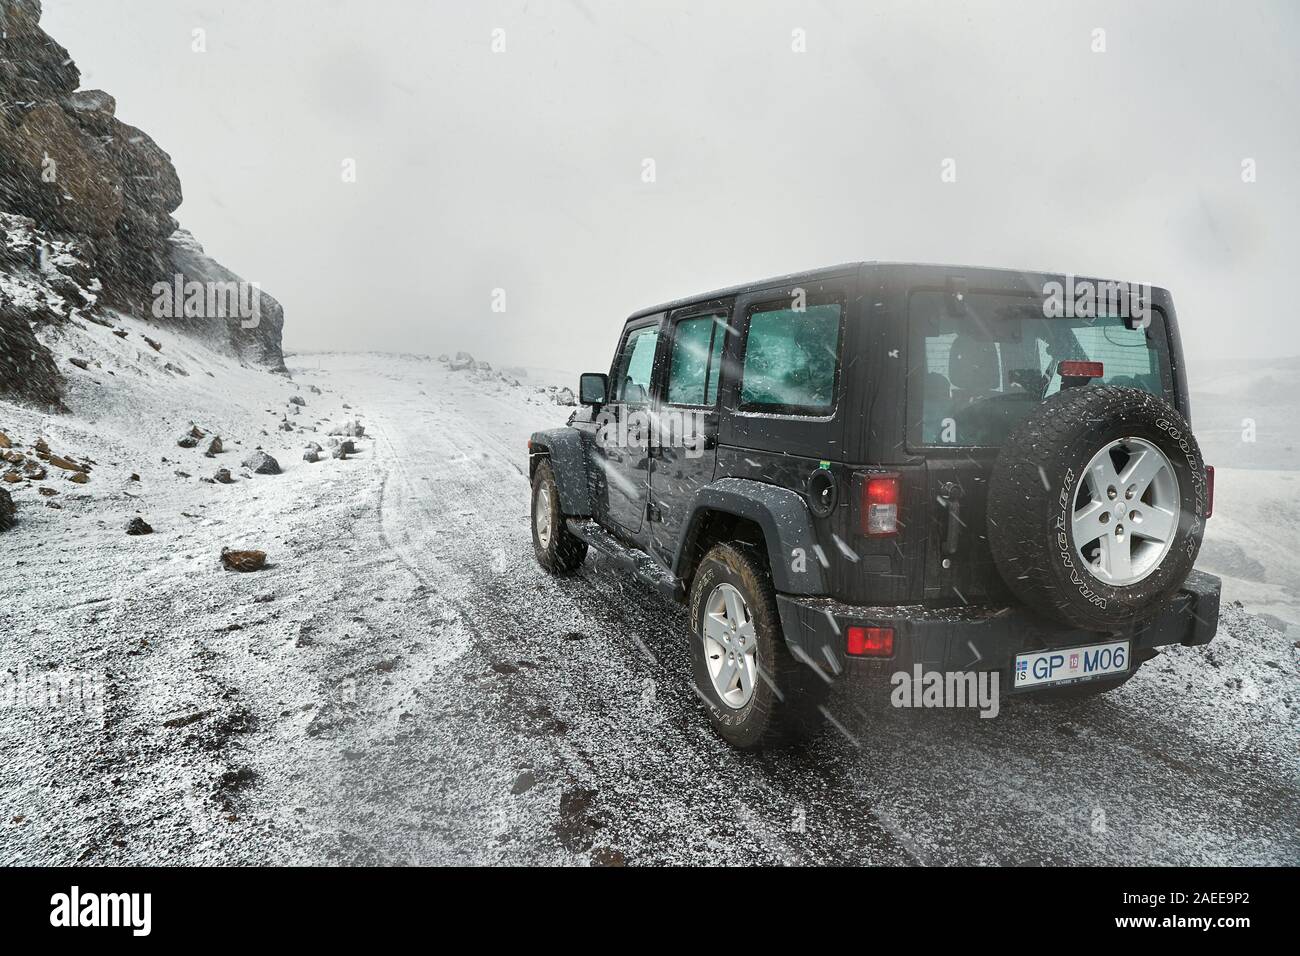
(696, 361)
(791, 359)
(635, 366)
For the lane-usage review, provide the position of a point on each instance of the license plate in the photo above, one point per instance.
(1071, 664)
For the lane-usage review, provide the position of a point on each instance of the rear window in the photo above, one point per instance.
(980, 365)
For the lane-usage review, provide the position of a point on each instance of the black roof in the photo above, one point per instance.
(1006, 277)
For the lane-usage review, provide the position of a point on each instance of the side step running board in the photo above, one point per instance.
(637, 562)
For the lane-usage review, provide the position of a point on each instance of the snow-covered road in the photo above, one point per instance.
(403, 684)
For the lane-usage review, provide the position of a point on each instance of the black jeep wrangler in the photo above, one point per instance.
(883, 468)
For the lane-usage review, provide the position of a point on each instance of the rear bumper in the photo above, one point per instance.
(978, 638)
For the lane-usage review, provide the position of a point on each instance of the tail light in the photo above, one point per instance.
(1209, 490)
(880, 506)
(870, 641)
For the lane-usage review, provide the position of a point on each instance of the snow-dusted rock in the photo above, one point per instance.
(351, 428)
(260, 463)
(137, 526)
(6, 511)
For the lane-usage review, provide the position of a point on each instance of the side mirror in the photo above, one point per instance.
(593, 388)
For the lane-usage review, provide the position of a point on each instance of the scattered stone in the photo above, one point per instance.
(42, 446)
(13, 477)
(4, 441)
(223, 477)
(121, 333)
(462, 362)
(243, 560)
(134, 477)
(138, 525)
(67, 464)
(177, 369)
(313, 446)
(524, 782)
(286, 426)
(260, 463)
(79, 477)
(214, 447)
(81, 363)
(187, 719)
(297, 400)
(34, 472)
(343, 449)
(6, 511)
(153, 344)
(564, 396)
(311, 455)
(47, 492)
(313, 389)
(181, 474)
(14, 457)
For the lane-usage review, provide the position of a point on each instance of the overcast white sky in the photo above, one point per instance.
(522, 169)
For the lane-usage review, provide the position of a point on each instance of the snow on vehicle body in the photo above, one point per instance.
(874, 467)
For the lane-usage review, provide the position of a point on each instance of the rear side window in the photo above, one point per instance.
(635, 367)
(696, 361)
(791, 359)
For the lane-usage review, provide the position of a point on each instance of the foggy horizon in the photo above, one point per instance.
(522, 169)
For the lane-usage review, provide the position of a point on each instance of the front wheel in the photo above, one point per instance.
(758, 695)
(557, 549)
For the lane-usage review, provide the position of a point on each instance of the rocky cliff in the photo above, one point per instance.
(88, 225)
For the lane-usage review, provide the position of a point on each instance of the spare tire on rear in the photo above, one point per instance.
(1096, 506)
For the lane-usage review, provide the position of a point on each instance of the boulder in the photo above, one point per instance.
(214, 447)
(243, 560)
(138, 525)
(297, 400)
(260, 463)
(351, 428)
(6, 511)
(223, 477)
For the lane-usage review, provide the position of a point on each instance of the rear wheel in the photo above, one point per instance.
(758, 695)
(557, 549)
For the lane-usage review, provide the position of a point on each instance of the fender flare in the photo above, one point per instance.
(568, 456)
(783, 516)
